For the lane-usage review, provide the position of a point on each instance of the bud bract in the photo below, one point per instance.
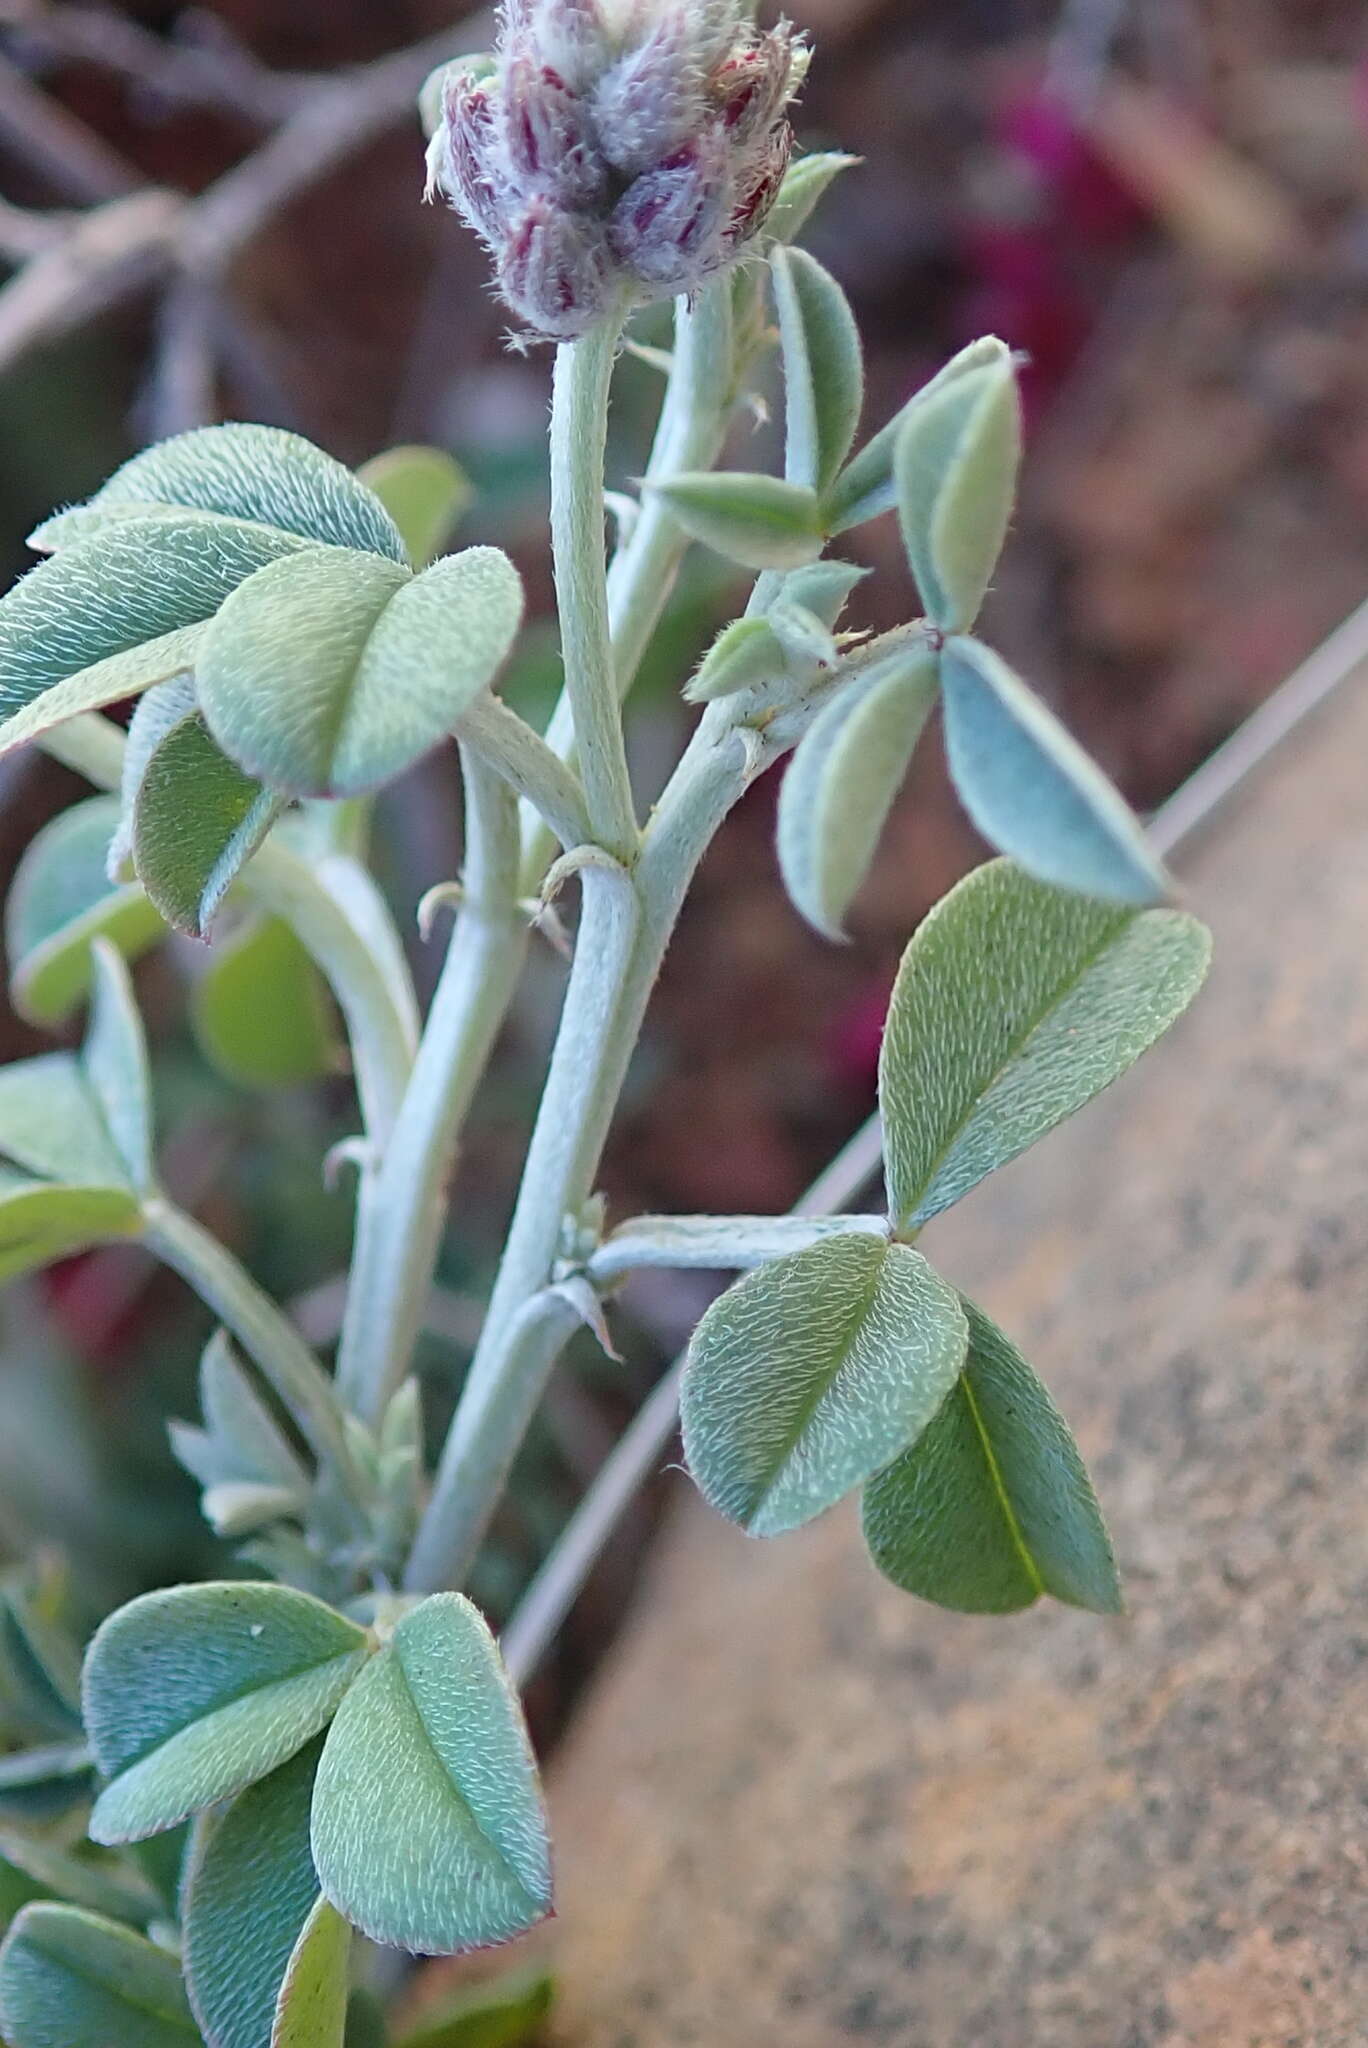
(615, 151)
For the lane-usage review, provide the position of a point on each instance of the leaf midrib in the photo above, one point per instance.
(794, 1436)
(911, 1211)
(480, 1832)
(266, 1686)
(999, 1484)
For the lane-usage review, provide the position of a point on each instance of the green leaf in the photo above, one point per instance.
(50, 1123)
(811, 1374)
(507, 2012)
(60, 902)
(197, 821)
(130, 588)
(757, 521)
(242, 472)
(992, 1507)
(40, 1665)
(823, 588)
(425, 491)
(1031, 789)
(32, 1868)
(249, 1889)
(745, 656)
(866, 487)
(114, 1059)
(194, 1693)
(333, 673)
(157, 712)
(956, 467)
(41, 1222)
(313, 2000)
(69, 1979)
(802, 191)
(823, 367)
(105, 682)
(1015, 1005)
(752, 653)
(428, 1829)
(39, 1784)
(241, 1443)
(840, 785)
(260, 1011)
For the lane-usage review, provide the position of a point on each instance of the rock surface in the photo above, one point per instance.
(802, 1808)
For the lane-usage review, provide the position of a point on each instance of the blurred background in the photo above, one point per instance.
(213, 212)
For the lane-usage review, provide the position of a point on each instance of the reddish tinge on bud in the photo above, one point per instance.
(615, 150)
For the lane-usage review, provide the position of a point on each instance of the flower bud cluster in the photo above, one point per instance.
(616, 148)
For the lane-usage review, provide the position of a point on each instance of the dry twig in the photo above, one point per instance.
(190, 245)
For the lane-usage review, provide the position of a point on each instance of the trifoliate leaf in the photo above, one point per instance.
(866, 487)
(992, 1507)
(811, 1374)
(244, 472)
(1031, 789)
(823, 367)
(61, 901)
(69, 1979)
(194, 1693)
(758, 521)
(250, 1887)
(335, 672)
(428, 1830)
(1015, 1005)
(197, 821)
(842, 781)
(956, 467)
(108, 616)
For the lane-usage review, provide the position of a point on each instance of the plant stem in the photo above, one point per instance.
(712, 1244)
(579, 442)
(490, 1424)
(522, 758)
(625, 928)
(689, 435)
(402, 1207)
(643, 1445)
(91, 745)
(279, 1350)
(339, 917)
(562, 1160)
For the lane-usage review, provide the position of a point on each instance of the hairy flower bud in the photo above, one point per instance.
(550, 143)
(554, 271)
(668, 217)
(615, 151)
